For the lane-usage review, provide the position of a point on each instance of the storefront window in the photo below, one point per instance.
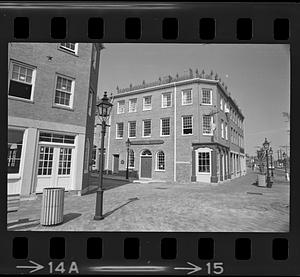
(15, 142)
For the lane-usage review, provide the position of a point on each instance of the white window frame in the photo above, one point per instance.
(147, 108)
(129, 122)
(75, 51)
(157, 160)
(211, 125)
(182, 98)
(206, 104)
(182, 133)
(72, 91)
(226, 131)
(117, 128)
(143, 129)
(162, 99)
(129, 105)
(131, 151)
(12, 62)
(161, 127)
(202, 151)
(221, 104)
(118, 107)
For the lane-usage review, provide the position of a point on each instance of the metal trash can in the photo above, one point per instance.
(52, 206)
(261, 180)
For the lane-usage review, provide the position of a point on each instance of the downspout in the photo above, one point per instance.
(175, 131)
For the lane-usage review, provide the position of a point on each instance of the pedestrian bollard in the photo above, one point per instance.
(52, 206)
(261, 180)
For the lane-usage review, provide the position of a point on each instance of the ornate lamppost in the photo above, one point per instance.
(127, 145)
(266, 145)
(271, 160)
(104, 108)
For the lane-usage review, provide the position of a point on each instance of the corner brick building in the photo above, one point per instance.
(183, 129)
(52, 91)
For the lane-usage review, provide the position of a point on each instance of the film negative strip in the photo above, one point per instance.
(149, 138)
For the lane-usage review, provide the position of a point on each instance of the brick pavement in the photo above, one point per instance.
(234, 206)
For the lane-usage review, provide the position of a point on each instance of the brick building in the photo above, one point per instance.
(52, 91)
(184, 128)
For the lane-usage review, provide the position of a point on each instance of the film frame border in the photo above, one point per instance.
(225, 16)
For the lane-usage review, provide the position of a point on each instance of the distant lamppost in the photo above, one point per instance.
(104, 108)
(266, 145)
(271, 159)
(285, 166)
(127, 145)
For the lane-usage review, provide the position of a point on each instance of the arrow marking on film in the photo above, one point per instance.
(34, 268)
(128, 268)
(194, 268)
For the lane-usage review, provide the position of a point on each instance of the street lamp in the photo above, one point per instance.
(104, 108)
(271, 158)
(285, 166)
(266, 145)
(127, 145)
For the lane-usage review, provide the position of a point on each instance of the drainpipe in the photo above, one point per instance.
(175, 131)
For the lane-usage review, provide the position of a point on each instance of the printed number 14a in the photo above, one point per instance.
(60, 268)
(215, 268)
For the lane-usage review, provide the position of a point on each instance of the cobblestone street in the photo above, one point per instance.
(234, 206)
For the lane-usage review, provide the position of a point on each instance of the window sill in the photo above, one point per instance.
(119, 138)
(13, 176)
(132, 137)
(166, 107)
(189, 104)
(146, 136)
(144, 110)
(132, 111)
(186, 134)
(209, 135)
(120, 113)
(164, 135)
(20, 99)
(160, 170)
(63, 108)
(204, 104)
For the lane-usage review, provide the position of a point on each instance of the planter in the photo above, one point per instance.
(52, 206)
(261, 180)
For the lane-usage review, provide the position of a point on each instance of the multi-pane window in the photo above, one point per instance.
(226, 131)
(147, 103)
(14, 150)
(222, 128)
(165, 127)
(187, 97)
(57, 138)
(65, 156)
(119, 130)
(131, 159)
(63, 91)
(166, 100)
(204, 162)
(132, 129)
(45, 160)
(132, 105)
(147, 128)
(72, 47)
(160, 160)
(21, 81)
(187, 125)
(207, 124)
(206, 96)
(121, 106)
(221, 104)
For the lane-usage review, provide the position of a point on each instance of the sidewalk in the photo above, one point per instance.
(234, 206)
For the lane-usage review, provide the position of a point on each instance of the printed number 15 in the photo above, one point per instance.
(215, 268)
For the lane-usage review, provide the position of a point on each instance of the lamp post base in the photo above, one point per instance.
(98, 217)
(99, 205)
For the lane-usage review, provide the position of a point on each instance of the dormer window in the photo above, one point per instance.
(70, 47)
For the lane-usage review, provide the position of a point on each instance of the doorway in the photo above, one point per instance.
(54, 167)
(116, 163)
(146, 164)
